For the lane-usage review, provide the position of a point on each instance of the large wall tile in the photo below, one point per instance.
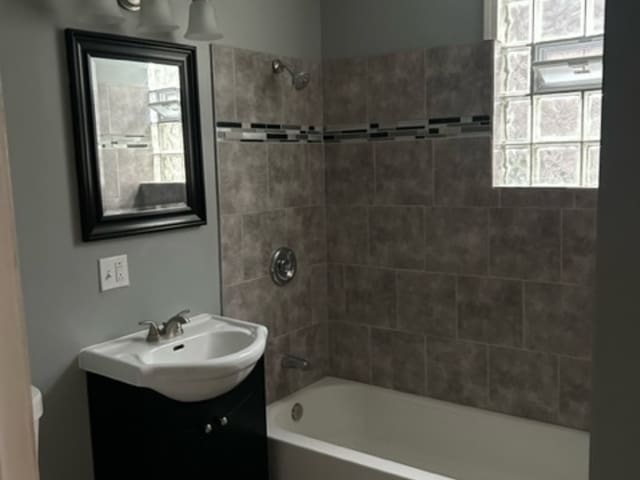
(427, 303)
(243, 177)
(349, 350)
(347, 234)
(312, 344)
(262, 234)
(317, 190)
(289, 175)
(259, 92)
(575, 393)
(398, 361)
(231, 249)
(579, 246)
(396, 88)
(397, 237)
(457, 371)
(336, 308)
(559, 319)
(319, 294)
(523, 383)
(350, 178)
(278, 380)
(457, 240)
(258, 301)
(463, 169)
(404, 173)
(460, 80)
(537, 197)
(304, 107)
(307, 234)
(298, 300)
(224, 82)
(490, 310)
(525, 243)
(345, 91)
(370, 296)
(587, 198)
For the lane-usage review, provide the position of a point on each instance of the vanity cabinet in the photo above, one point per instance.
(140, 434)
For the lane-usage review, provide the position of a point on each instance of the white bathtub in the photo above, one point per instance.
(351, 431)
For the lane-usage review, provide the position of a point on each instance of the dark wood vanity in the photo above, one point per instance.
(139, 434)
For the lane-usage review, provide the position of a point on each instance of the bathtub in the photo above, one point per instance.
(352, 431)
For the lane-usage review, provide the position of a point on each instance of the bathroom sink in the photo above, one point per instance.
(213, 356)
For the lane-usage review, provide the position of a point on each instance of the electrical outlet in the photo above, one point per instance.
(114, 273)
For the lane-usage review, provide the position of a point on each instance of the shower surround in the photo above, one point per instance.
(416, 274)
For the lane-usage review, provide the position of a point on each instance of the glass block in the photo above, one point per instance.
(514, 69)
(557, 19)
(591, 166)
(557, 117)
(556, 165)
(513, 167)
(517, 117)
(564, 50)
(172, 168)
(592, 115)
(595, 17)
(170, 137)
(163, 76)
(515, 22)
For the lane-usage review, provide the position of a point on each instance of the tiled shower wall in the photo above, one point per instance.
(271, 195)
(439, 284)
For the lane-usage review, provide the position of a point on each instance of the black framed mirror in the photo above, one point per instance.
(137, 134)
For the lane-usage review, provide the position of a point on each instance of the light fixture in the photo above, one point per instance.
(156, 17)
(131, 5)
(202, 22)
(101, 12)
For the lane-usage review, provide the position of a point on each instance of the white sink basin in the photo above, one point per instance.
(213, 356)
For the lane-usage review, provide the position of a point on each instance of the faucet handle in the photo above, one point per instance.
(154, 331)
(182, 316)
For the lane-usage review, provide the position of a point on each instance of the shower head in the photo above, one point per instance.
(299, 80)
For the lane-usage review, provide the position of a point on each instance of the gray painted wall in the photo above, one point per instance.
(169, 271)
(616, 418)
(370, 27)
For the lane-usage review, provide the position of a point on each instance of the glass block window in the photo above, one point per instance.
(548, 93)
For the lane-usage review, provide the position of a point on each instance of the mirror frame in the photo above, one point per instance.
(81, 46)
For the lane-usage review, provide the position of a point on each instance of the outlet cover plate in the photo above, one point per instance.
(114, 273)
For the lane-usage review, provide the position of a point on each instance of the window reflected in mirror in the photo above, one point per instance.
(140, 137)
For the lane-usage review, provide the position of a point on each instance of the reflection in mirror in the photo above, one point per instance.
(138, 116)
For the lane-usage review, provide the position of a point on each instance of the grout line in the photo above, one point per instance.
(562, 244)
(512, 348)
(235, 82)
(461, 274)
(488, 377)
(489, 223)
(457, 306)
(524, 315)
(557, 392)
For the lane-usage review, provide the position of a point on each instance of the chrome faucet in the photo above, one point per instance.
(172, 328)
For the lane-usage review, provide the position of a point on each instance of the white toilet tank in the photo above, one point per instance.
(36, 398)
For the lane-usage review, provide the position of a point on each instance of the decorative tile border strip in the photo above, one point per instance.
(267, 132)
(411, 130)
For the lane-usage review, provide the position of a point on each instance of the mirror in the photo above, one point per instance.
(138, 137)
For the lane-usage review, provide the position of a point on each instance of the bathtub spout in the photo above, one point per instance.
(296, 363)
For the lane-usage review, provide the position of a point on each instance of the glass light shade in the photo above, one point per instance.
(156, 17)
(202, 22)
(101, 12)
